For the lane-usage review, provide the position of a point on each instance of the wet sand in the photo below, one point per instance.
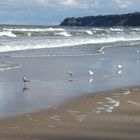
(102, 116)
(51, 86)
(76, 109)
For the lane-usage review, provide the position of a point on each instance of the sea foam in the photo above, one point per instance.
(7, 33)
(34, 29)
(58, 42)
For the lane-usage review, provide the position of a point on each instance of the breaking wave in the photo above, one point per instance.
(66, 32)
(116, 29)
(63, 34)
(25, 32)
(89, 32)
(15, 38)
(56, 43)
(7, 33)
(33, 29)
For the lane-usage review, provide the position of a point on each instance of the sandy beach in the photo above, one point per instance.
(102, 116)
(55, 105)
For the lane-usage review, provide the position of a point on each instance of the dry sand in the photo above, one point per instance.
(102, 116)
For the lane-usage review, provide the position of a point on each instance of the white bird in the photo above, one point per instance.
(91, 73)
(101, 50)
(119, 66)
(71, 74)
(24, 79)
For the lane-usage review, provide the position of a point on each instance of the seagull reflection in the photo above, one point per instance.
(90, 80)
(25, 88)
(138, 61)
(119, 72)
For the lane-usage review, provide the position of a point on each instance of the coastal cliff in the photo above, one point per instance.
(131, 19)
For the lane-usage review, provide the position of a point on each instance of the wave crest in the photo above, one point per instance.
(33, 29)
(7, 33)
(57, 42)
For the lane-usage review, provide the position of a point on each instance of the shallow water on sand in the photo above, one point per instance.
(115, 65)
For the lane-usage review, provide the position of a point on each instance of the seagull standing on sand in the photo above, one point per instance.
(91, 73)
(119, 71)
(119, 66)
(71, 74)
(25, 80)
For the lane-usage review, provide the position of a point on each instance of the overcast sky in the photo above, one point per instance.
(50, 12)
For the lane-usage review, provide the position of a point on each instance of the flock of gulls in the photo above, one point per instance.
(72, 75)
(92, 74)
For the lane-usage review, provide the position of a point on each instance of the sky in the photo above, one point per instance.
(52, 12)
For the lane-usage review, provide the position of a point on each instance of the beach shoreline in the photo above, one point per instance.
(104, 116)
(84, 83)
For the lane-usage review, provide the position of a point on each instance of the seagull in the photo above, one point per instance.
(71, 74)
(119, 66)
(25, 80)
(101, 50)
(91, 73)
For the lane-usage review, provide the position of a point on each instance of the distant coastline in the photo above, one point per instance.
(130, 19)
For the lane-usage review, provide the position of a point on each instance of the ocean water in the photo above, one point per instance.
(13, 38)
(45, 54)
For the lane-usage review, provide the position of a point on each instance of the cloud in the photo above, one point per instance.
(42, 11)
(58, 3)
(123, 3)
(16, 3)
(43, 2)
(8, 2)
(75, 7)
(70, 3)
(79, 4)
